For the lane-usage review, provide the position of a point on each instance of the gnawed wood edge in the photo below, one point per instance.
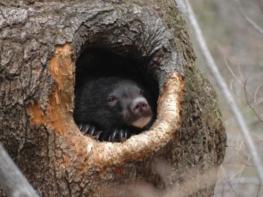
(87, 152)
(162, 131)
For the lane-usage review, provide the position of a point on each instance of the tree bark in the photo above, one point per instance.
(39, 45)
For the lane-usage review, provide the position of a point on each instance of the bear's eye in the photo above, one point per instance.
(141, 92)
(111, 99)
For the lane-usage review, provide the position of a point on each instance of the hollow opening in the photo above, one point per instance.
(115, 94)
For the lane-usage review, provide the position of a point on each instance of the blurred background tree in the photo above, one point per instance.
(234, 33)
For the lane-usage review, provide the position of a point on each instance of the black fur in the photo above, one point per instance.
(93, 114)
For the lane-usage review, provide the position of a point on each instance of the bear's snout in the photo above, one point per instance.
(140, 107)
(141, 111)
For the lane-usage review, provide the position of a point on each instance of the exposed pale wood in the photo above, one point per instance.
(39, 45)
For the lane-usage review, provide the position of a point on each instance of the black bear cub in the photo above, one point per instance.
(112, 108)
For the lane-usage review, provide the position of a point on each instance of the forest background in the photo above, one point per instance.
(234, 34)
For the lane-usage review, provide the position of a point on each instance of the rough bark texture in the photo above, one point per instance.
(39, 44)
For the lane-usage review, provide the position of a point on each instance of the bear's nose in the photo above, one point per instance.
(140, 106)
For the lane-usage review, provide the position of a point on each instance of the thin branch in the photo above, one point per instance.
(232, 72)
(256, 94)
(243, 82)
(225, 90)
(226, 180)
(249, 103)
(248, 19)
(253, 24)
(12, 181)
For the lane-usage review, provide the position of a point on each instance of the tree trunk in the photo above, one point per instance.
(40, 44)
